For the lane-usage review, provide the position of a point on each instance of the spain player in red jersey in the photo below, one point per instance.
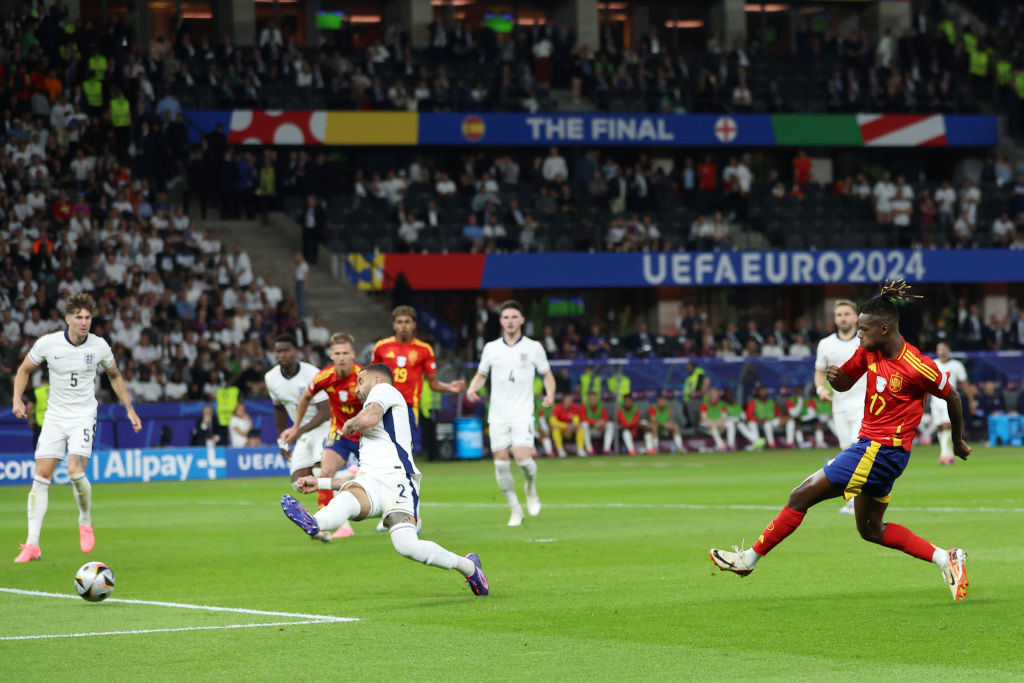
(338, 381)
(898, 378)
(411, 360)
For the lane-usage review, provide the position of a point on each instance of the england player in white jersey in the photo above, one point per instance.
(73, 358)
(938, 412)
(848, 406)
(285, 383)
(512, 362)
(388, 483)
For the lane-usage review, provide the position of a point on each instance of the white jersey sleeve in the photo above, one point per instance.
(386, 448)
(73, 370)
(956, 370)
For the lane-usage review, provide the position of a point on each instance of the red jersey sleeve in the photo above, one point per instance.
(429, 362)
(651, 414)
(750, 411)
(932, 380)
(857, 365)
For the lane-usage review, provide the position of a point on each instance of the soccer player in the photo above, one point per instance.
(338, 381)
(73, 358)
(802, 411)
(763, 411)
(544, 429)
(596, 420)
(713, 418)
(566, 419)
(957, 374)
(286, 382)
(512, 362)
(848, 406)
(632, 425)
(411, 360)
(388, 482)
(660, 417)
(899, 377)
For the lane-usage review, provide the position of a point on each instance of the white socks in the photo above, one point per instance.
(408, 544)
(503, 474)
(627, 439)
(678, 441)
(609, 434)
(945, 443)
(342, 508)
(83, 496)
(38, 501)
(940, 557)
(529, 470)
(750, 557)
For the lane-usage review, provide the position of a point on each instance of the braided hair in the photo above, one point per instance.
(893, 295)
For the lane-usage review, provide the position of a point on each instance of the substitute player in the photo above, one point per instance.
(898, 378)
(286, 382)
(848, 406)
(388, 483)
(957, 374)
(338, 381)
(512, 361)
(73, 357)
(632, 425)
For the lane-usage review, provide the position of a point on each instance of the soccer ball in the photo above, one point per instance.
(94, 581)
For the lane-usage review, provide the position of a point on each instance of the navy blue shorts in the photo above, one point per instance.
(867, 467)
(343, 446)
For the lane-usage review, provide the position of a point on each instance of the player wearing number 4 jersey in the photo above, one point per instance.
(388, 483)
(898, 379)
(512, 362)
(74, 357)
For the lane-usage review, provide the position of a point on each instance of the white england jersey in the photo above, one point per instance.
(512, 369)
(73, 372)
(386, 448)
(956, 370)
(287, 391)
(834, 351)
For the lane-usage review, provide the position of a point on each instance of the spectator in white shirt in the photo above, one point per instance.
(239, 426)
(1003, 230)
(970, 198)
(771, 348)
(445, 186)
(799, 348)
(317, 333)
(884, 192)
(945, 198)
(554, 169)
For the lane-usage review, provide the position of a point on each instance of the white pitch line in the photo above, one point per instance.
(161, 630)
(324, 618)
(686, 506)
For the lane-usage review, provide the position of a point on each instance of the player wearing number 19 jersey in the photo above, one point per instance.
(898, 379)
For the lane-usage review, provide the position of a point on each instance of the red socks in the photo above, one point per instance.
(902, 538)
(780, 527)
(323, 498)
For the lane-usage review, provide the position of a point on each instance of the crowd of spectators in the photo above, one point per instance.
(89, 205)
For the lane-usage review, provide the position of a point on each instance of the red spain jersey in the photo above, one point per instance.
(341, 393)
(409, 363)
(562, 415)
(895, 393)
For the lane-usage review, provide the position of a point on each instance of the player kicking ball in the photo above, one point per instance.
(898, 378)
(512, 362)
(388, 482)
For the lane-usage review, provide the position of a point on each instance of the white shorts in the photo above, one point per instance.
(398, 492)
(307, 448)
(510, 435)
(847, 427)
(57, 439)
(939, 410)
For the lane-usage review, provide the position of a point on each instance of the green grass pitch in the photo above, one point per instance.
(611, 582)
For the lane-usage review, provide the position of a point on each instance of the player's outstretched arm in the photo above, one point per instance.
(367, 418)
(820, 387)
(25, 371)
(839, 380)
(453, 387)
(956, 423)
(475, 385)
(121, 391)
(549, 389)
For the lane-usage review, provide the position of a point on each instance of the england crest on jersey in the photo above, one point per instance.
(879, 384)
(89, 358)
(400, 361)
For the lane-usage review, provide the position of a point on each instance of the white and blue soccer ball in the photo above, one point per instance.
(94, 581)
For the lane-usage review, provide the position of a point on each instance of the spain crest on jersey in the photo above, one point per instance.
(879, 384)
(401, 361)
(895, 382)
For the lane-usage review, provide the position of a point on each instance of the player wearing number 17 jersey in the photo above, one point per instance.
(512, 362)
(898, 379)
(74, 358)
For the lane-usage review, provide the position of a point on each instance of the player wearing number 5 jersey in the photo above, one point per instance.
(512, 362)
(388, 483)
(74, 358)
(898, 379)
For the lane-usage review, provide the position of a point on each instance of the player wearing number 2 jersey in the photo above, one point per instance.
(74, 358)
(898, 379)
(512, 362)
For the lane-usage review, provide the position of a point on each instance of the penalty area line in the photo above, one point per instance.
(307, 618)
(169, 630)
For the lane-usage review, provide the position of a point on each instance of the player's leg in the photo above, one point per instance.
(791, 432)
(946, 456)
(558, 430)
(677, 436)
(82, 490)
(545, 437)
(847, 427)
(578, 429)
(609, 436)
(748, 430)
(627, 440)
(819, 435)
(769, 427)
(352, 502)
(501, 443)
(38, 502)
(716, 434)
(523, 455)
(730, 434)
(588, 444)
